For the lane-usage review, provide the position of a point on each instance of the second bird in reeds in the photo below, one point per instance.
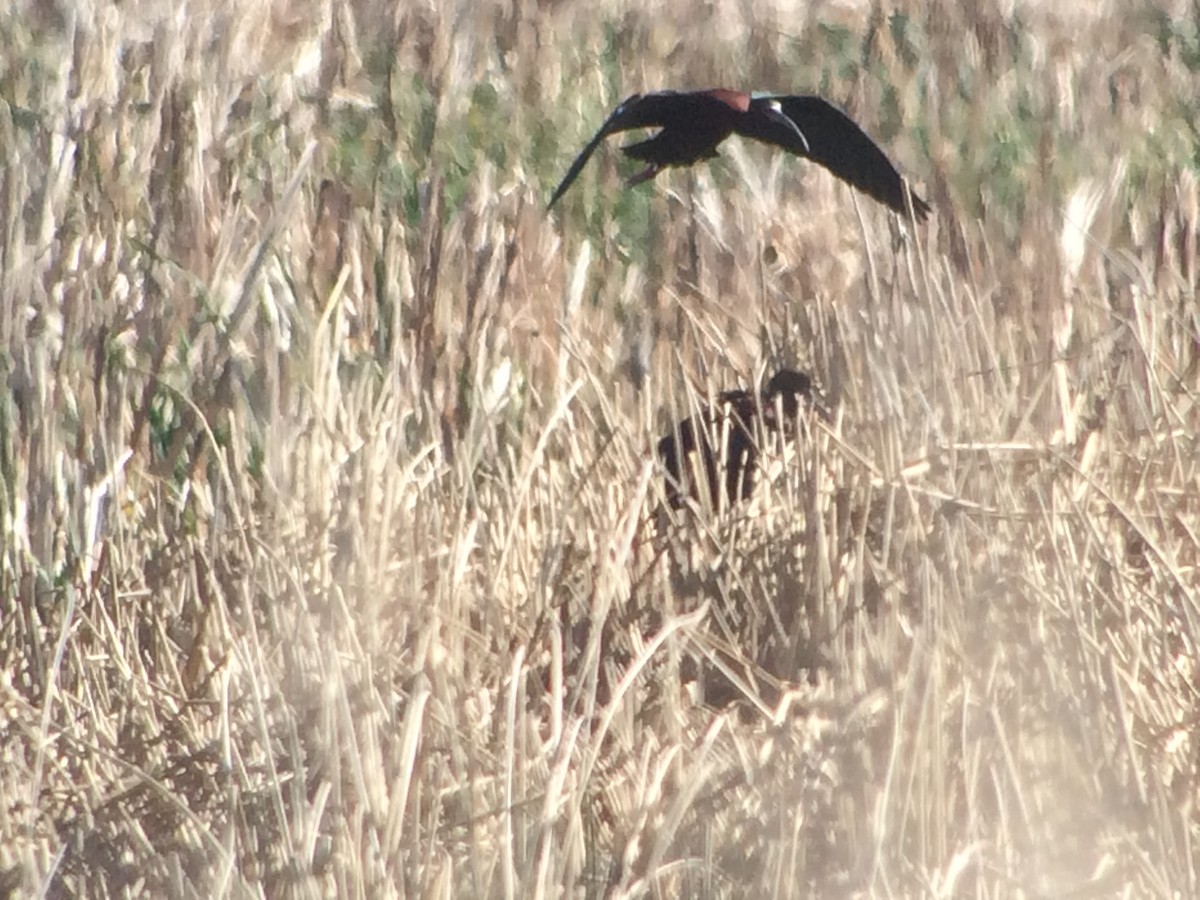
(725, 442)
(693, 123)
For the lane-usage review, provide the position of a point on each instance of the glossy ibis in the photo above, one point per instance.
(693, 124)
(730, 421)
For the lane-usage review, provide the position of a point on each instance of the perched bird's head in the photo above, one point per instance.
(789, 382)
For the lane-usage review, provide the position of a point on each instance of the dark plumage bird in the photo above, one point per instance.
(733, 417)
(694, 123)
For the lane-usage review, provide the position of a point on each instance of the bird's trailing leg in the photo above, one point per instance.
(645, 175)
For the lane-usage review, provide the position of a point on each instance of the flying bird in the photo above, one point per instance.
(724, 437)
(693, 123)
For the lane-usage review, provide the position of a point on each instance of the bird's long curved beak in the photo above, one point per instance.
(775, 113)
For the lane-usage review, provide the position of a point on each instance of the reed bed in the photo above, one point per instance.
(336, 557)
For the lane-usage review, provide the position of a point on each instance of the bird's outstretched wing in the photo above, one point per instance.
(622, 118)
(835, 141)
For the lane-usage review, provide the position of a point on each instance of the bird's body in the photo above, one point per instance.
(725, 441)
(693, 124)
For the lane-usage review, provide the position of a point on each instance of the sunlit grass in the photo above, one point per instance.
(336, 554)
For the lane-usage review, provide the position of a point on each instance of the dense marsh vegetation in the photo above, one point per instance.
(335, 555)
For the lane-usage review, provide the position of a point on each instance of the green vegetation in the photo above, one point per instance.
(334, 556)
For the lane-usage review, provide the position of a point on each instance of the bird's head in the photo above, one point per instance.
(771, 109)
(627, 104)
(789, 383)
(626, 111)
(791, 386)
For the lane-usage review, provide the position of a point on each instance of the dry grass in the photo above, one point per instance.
(335, 556)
